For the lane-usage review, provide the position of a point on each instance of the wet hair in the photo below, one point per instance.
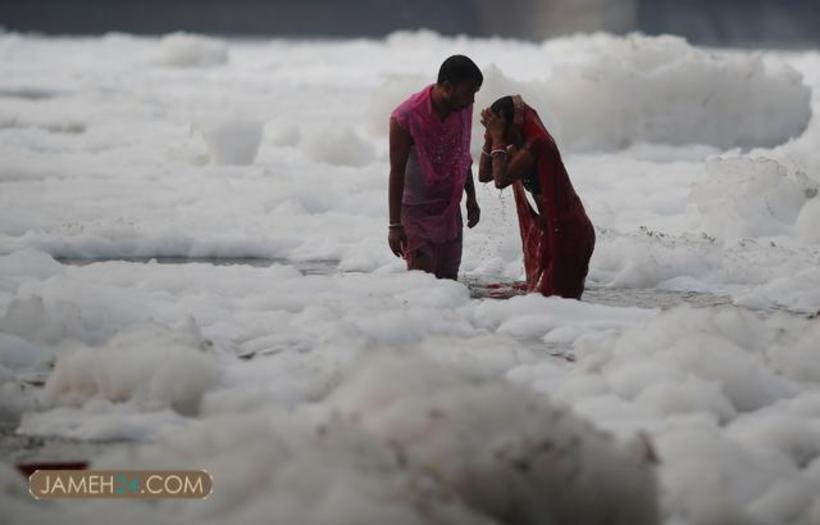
(457, 69)
(504, 108)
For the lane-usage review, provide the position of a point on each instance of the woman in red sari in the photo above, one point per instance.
(558, 237)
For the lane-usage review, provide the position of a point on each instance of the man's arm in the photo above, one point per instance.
(400, 144)
(485, 165)
(473, 211)
(469, 186)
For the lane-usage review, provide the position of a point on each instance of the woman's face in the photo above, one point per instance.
(512, 135)
(512, 132)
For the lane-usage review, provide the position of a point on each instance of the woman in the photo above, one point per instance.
(558, 238)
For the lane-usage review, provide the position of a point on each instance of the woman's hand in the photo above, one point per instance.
(494, 124)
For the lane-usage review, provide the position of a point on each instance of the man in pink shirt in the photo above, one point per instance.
(430, 169)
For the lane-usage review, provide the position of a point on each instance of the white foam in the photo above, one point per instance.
(808, 221)
(799, 292)
(340, 147)
(189, 50)
(231, 140)
(392, 92)
(148, 366)
(744, 197)
(284, 134)
(684, 375)
(483, 438)
(407, 441)
(661, 89)
(800, 359)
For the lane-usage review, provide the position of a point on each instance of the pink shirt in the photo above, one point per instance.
(436, 169)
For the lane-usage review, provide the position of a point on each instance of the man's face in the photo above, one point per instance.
(462, 94)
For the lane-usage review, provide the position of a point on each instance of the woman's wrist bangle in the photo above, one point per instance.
(497, 151)
(395, 226)
(485, 152)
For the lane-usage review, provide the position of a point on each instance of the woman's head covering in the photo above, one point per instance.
(518, 113)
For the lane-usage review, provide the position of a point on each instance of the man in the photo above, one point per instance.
(430, 168)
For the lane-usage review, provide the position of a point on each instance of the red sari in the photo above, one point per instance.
(557, 246)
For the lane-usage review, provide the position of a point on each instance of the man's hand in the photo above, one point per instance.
(473, 213)
(397, 240)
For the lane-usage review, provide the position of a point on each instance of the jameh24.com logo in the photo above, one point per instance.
(120, 484)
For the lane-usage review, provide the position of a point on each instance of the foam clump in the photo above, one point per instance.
(284, 134)
(152, 366)
(340, 147)
(725, 348)
(745, 197)
(808, 222)
(728, 392)
(662, 90)
(188, 50)
(231, 140)
(17, 354)
(404, 440)
(21, 265)
(801, 360)
(799, 292)
(394, 90)
(281, 468)
(508, 453)
(38, 321)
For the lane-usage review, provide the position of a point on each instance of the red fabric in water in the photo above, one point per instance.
(558, 247)
(27, 469)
